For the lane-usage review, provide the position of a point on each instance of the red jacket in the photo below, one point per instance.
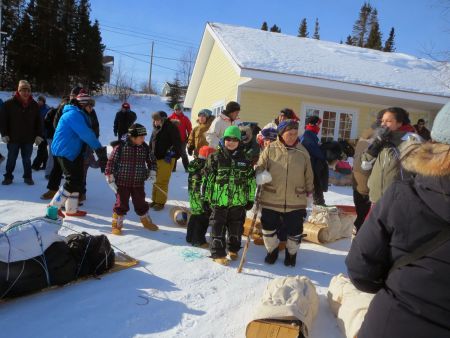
(183, 123)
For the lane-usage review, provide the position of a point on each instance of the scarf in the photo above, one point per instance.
(314, 129)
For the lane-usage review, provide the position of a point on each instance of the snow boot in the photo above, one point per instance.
(72, 206)
(48, 195)
(59, 198)
(158, 206)
(222, 260)
(148, 223)
(117, 224)
(233, 256)
(290, 260)
(271, 257)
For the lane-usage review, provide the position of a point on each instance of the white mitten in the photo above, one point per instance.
(309, 201)
(111, 182)
(263, 178)
(5, 139)
(152, 175)
(38, 140)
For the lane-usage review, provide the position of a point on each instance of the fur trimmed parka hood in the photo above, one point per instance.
(427, 159)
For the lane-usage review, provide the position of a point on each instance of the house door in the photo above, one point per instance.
(337, 124)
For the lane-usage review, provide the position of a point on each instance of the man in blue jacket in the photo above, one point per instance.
(69, 144)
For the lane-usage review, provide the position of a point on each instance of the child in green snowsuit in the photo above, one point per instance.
(198, 222)
(229, 190)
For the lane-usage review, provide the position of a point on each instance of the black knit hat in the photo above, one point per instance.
(313, 120)
(137, 130)
(159, 115)
(232, 107)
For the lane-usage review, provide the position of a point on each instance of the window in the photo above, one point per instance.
(218, 107)
(337, 123)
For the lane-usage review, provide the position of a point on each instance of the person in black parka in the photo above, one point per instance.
(413, 300)
(125, 117)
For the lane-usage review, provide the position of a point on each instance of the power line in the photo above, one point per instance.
(145, 61)
(148, 55)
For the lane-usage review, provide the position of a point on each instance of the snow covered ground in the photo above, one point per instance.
(176, 291)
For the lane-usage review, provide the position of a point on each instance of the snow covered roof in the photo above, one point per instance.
(279, 53)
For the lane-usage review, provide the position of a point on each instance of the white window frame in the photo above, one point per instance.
(338, 110)
(218, 107)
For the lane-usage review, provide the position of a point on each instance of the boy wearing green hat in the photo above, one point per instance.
(228, 190)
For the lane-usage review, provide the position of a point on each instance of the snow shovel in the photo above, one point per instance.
(255, 215)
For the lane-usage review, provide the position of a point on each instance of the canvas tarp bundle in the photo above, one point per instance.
(290, 298)
(23, 240)
(337, 223)
(348, 304)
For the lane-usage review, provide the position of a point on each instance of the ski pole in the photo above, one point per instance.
(255, 215)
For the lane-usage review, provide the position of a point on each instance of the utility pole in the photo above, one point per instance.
(2, 59)
(151, 65)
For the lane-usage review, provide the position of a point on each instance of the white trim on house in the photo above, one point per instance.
(228, 55)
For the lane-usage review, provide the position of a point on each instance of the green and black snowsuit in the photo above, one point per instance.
(229, 189)
(198, 222)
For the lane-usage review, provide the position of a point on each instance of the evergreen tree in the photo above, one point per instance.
(389, 44)
(303, 29)
(175, 93)
(374, 39)
(361, 26)
(264, 26)
(275, 29)
(316, 34)
(349, 41)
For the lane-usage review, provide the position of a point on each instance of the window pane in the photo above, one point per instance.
(345, 126)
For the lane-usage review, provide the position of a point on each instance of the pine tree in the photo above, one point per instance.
(264, 26)
(361, 26)
(275, 29)
(303, 29)
(316, 34)
(389, 44)
(374, 39)
(349, 41)
(175, 93)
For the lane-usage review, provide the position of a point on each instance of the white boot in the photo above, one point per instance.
(72, 205)
(60, 198)
(271, 240)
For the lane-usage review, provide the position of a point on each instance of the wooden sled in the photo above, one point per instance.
(121, 262)
(271, 328)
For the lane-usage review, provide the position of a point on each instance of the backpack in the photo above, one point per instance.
(93, 254)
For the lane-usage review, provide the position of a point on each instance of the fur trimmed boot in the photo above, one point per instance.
(148, 223)
(117, 224)
(72, 205)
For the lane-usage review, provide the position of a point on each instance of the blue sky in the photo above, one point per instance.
(128, 27)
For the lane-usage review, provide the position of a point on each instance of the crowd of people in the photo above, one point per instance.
(401, 188)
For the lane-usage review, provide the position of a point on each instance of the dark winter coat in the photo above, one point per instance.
(43, 112)
(21, 123)
(95, 125)
(318, 161)
(123, 121)
(195, 169)
(229, 179)
(423, 133)
(414, 300)
(130, 164)
(164, 140)
(48, 122)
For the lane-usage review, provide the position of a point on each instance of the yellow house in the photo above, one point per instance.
(345, 85)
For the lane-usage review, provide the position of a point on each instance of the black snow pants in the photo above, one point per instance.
(197, 228)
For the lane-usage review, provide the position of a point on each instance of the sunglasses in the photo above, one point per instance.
(231, 139)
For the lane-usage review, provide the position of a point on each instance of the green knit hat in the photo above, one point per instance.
(233, 132)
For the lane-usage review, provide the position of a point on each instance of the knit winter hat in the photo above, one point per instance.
(232, 132)
(205, 151)
(84, 99)
(269, 134)
(205, 112)
(137, 130)
(24, 84)
(126, 105)
(441, 125)
(232, 107)
(77, 90)
(178, 106)
(286, 125)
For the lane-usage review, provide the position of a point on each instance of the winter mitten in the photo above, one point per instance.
(249, 206)
(382, 134)
(38, 140)
(169, 156)
(263, 177)
(5, 139)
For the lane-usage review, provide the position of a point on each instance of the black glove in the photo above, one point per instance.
(190, 151)
(249, 206)
(102, 158)
(206, 208)
(381, 138)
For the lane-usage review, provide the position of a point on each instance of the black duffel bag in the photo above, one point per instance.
(55, 267)
(93, 254)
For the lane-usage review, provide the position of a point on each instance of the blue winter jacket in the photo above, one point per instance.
(72, 132)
